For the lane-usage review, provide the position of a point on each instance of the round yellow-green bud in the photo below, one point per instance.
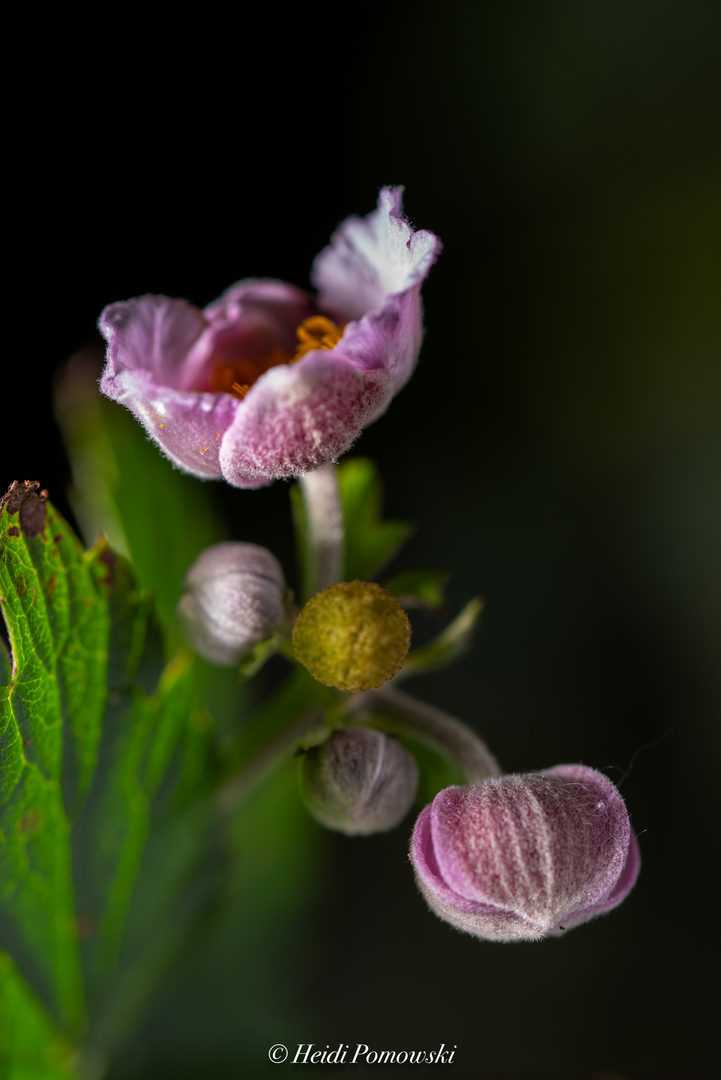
(354, 636)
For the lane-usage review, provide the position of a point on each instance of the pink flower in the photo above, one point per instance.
(267, 382)
(516, 858)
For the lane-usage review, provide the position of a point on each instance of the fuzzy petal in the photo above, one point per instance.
(250, 318)
(483, 920)
(521, 857)
(173, 366)
(188, 427)
(299, 416)
(273, 300)
(372, 257)
(149, 333)
(388, 339)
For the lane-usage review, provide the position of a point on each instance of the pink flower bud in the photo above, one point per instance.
(233, 600)
(359, 782)
(516, 858)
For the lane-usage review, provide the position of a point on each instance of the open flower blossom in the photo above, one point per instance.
(267, 382)
(516, 858)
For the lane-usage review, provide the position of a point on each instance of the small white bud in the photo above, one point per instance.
(233, 600)
(360, 781)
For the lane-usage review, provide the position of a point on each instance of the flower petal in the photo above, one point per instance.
(388, 339)
(372, 257)
(251, 318)
(475, 917)
(524, 856)
(274, 300)
(151, 333)
(187, 426)
(296, 417)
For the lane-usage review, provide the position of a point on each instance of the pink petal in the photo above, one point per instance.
(372, 257)
(187, 426)
(251, 318)
(389, 338)
(519, 857)
(296, 417)
(151, 333)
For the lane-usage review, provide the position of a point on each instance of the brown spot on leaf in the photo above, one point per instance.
(30, 822)
(58, 538)
(86, 926)
(107, 557)
(21, 585)
(13, 531)
(25, 500)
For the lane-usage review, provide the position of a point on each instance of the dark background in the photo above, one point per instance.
(559, 447)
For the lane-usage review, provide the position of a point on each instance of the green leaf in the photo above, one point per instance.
(123, 486)
(370, 543)
(450, 645)
(58, 631)
(30, 1047)
(418, 588)
(103, 750)
(259, 655)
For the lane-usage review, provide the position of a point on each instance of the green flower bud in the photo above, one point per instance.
(359, 782)
(354, 636)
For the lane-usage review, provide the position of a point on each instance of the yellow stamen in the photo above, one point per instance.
(317, 332)
(236, 376)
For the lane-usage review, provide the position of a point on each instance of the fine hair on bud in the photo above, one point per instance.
(518, 858)
(360, 781)
(234, 598)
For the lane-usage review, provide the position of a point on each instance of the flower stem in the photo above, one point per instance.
(291, 718)
(434, 727)
(324, 524)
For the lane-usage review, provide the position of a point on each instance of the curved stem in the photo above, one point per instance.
(291, 718)
(268, 758)
(324, 523)
(435, 727)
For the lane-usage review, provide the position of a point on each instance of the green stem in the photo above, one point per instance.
(438, 729)
(292, 718)
(303, 713)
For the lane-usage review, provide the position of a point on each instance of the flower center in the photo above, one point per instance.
(237, 376)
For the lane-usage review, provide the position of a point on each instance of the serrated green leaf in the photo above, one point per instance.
(5, 665)
(418, 588)
(58, 630)
(102, 749)
(370, 543)
(450, 645)
(123, 486)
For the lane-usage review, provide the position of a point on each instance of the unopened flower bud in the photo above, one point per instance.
(354, 636)
(516, 858)
(233, 600)
(359, 782)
